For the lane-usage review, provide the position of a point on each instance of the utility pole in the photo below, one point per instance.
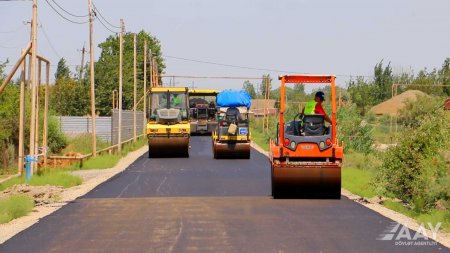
(91, 53)
(38, 94)
(33, 85)
(134, 88)
(82, 62)
(144, 110)
(119, 131)
(21, 117)
(45, 131)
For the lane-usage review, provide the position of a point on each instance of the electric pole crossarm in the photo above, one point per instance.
(14, 69)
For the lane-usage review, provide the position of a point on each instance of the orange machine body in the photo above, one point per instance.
(306, 168)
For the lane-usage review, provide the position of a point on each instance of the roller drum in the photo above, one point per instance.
(234, 150)
(306, 181)
(168, 146)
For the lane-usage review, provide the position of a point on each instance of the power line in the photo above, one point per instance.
(99, 13)
(48, 40)
(72, 21)
(71, 14)
(246, 67)
(105, 25)
(228, 65)
(213, 77)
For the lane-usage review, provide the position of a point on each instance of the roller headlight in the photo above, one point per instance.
(322, 145)
(293, 145)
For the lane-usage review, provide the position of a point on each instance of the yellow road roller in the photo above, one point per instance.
(203, 111)
(168, 128)
(232, 137)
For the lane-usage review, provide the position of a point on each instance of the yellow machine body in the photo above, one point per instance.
(168, 137)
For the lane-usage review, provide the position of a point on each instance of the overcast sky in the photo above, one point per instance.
(346, 37)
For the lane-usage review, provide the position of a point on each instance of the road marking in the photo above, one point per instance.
(162, 182)
(178, 235)
(128, 185)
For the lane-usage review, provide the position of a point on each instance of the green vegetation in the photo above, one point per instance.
(99, 162)
(46, 177)
(434, 216)
(107, 161)
(106, 71)
(83, 144)
(14, 207)
(358, 181)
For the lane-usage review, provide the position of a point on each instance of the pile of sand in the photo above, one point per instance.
(395, 104)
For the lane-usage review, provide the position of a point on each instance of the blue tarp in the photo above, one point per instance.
(234, 98)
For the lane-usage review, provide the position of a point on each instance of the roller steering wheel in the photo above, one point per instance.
(300, 116)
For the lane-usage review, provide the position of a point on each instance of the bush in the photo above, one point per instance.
(56, 139)
(415, 111)
(415, 170)
(355, 132)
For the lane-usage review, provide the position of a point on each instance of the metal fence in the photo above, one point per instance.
(106, 127)
(127, 125)
(74, 125)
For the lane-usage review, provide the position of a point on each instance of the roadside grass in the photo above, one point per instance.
(433, 217)
(358, 181)
(14, 207)
(130, 147)
(83, 144)
(47, 177)
(98, 162)
(259, 138)
(107, 161)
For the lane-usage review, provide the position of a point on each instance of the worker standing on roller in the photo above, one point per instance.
(315, 106)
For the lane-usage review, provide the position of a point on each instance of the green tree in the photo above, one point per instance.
(62, 71)
(250, 88)
(362, 94)
(266, 80)
(107, 69)
(70, 98)
(444, 76)
(383, 80)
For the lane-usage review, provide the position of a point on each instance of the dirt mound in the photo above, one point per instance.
(393, 105)
(41, 194)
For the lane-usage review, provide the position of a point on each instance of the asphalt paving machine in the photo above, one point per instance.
(231, 138)
(305, 156)
(203, 111)
(168, 128)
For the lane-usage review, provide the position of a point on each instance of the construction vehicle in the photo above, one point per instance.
(203, 111)
(231, 138)
(305, 156)
(168, 128)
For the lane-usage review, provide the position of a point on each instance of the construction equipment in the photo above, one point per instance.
(203, 111)
(305, 156)
(231, 138)
(168, 128)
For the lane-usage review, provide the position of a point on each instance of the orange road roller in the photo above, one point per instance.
(305, 156)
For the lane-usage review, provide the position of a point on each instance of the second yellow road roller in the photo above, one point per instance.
(168, 127)
(203, 111)
(231, 139)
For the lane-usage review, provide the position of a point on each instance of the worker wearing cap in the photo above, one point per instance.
(315, 106)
